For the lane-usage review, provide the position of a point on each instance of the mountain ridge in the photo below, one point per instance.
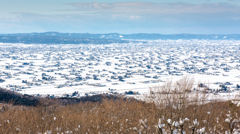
(89, 38)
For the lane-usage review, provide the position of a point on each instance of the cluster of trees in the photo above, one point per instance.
(187, 111)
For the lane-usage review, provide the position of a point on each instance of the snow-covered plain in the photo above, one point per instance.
(91, 69)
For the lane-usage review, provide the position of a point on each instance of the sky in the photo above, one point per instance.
(121, 16)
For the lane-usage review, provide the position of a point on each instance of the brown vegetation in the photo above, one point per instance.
(172, 110)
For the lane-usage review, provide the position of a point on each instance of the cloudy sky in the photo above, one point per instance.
(121, 16)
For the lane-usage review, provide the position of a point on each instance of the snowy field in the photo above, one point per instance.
(40, 69)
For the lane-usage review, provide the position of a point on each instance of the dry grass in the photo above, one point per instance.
(116, 116)
(109, 116)
(126, 116)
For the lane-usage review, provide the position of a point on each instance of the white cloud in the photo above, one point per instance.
(160, 8)
(135, 17)
(138, 10)
(94, 5)
(130, 17)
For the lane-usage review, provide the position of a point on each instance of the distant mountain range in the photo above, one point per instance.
(86, 38)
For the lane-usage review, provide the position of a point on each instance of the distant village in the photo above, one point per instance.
(125, 69)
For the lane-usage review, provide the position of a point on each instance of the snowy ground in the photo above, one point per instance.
(70, 68)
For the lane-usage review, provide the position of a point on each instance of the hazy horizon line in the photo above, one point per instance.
(121, 33)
